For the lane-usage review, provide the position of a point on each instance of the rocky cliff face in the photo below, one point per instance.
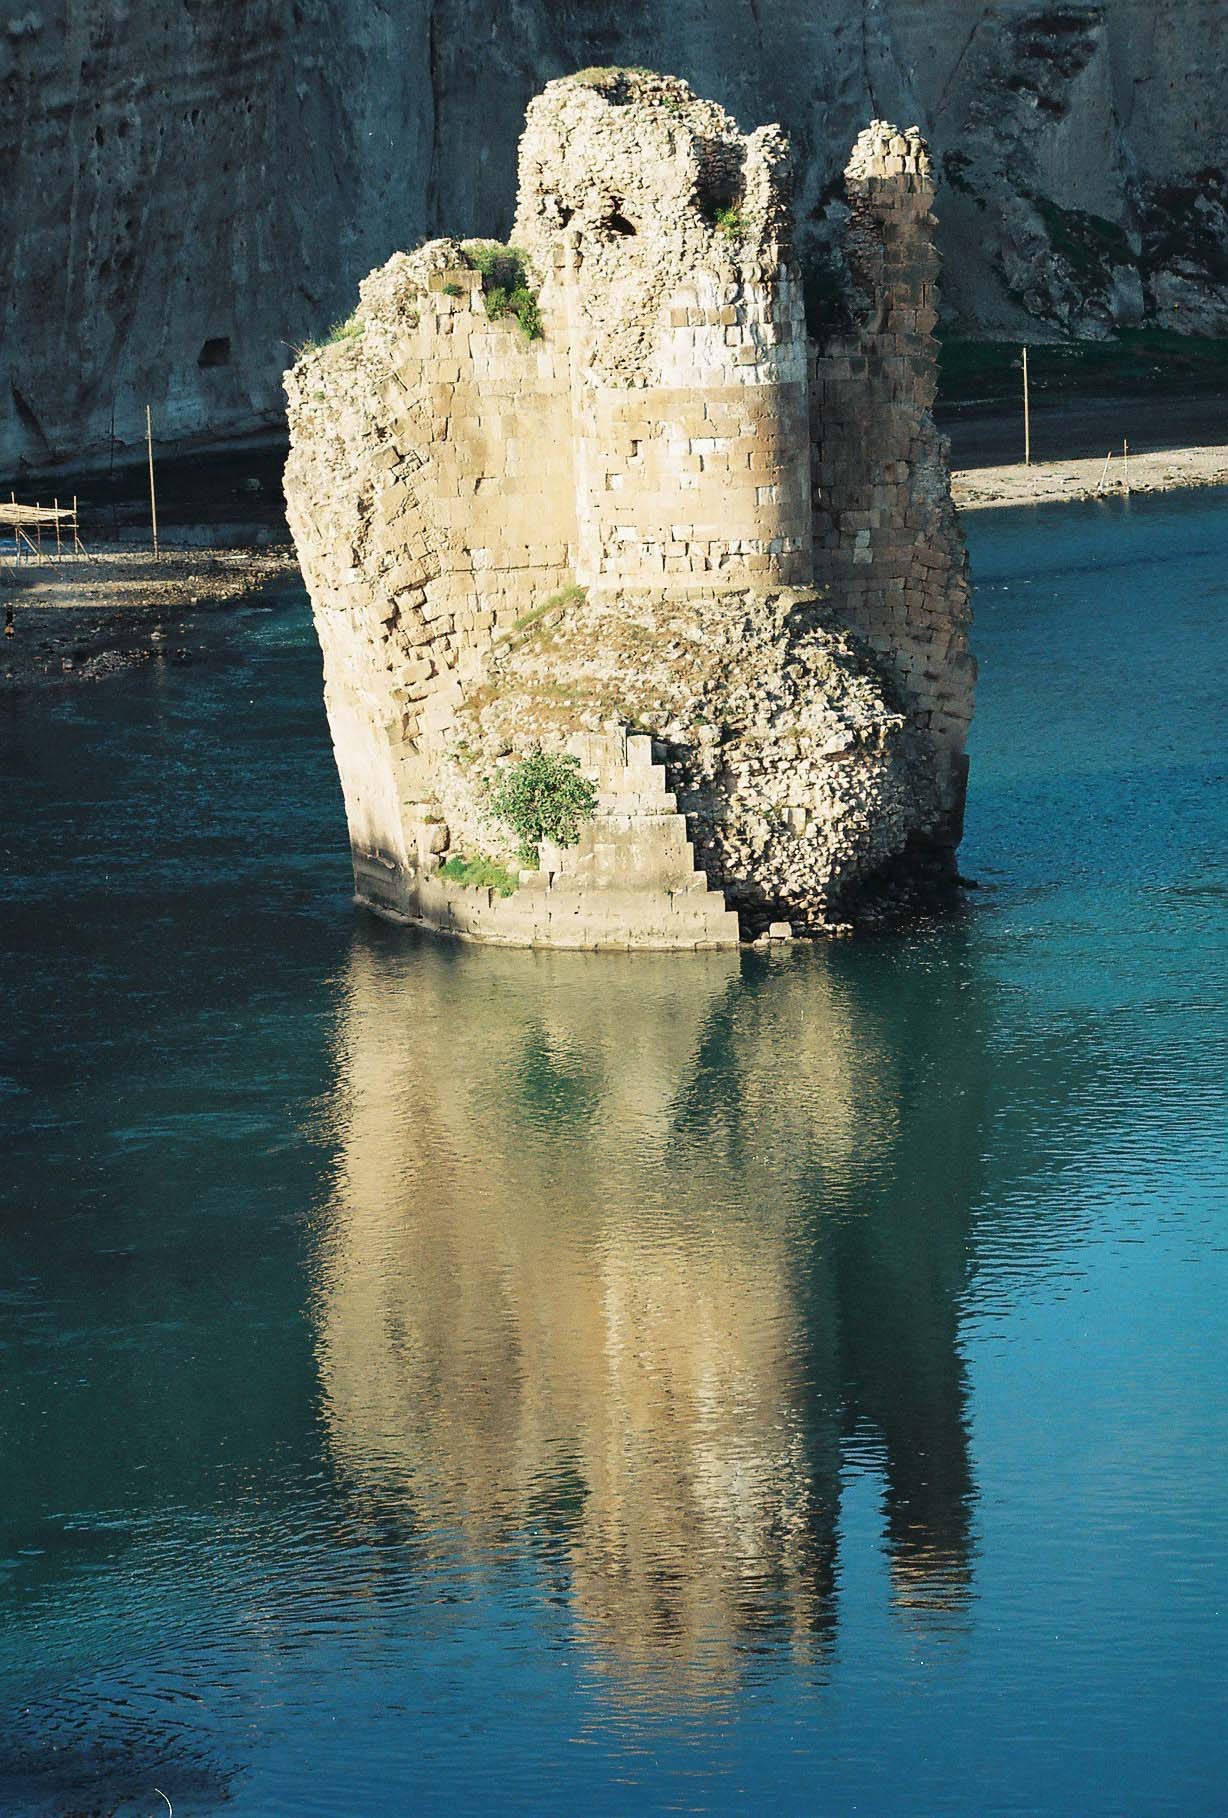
(602, 494)
(188, 188)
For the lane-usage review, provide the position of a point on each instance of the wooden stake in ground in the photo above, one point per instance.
(1027, 415)
(153, 502)
(58, 549)
(1125, 463)
(1104, 476)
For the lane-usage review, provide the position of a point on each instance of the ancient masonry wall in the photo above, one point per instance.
(886, 539)
(687, 337)
(697, 477)
(672, 437)
(430, 491)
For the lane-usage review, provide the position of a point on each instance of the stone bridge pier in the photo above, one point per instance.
(605, 493)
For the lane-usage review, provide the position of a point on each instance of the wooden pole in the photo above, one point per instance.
(76, 540)
(16, 531)
(1027, 415)
(153, 502)
(1125, 462)
(58, 550)
(1104, 476)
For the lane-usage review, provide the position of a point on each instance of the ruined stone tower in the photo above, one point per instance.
(601, 493)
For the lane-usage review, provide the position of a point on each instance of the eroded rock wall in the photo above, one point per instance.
(188, 189)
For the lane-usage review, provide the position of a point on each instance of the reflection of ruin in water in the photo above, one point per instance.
(620, 1255)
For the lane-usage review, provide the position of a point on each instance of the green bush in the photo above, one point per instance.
(544, 797)
(729, 222)
(506, 285)
(482, 873)
(1088, 244)
(956, 165)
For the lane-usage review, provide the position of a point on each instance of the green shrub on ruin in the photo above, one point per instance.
(507, 288)
(731, 223)
(544, 797)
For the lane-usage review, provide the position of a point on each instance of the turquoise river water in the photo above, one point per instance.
(445, 1380)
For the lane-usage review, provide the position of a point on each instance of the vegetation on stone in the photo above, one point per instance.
(566, 596)
(347, 329)
(506, 285)
(1088, 245)
(730, 222)
(544, 797)
(539, 617)
(479, 873)
(955, 167)
(610, 77)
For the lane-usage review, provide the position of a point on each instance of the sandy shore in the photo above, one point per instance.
(1053, 482)
(81, 620)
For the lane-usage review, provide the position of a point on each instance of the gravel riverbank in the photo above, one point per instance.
(82, 619)
(1052, 482)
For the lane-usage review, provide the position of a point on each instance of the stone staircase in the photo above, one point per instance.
(630, 882)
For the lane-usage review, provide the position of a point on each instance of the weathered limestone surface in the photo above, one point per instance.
(671, 515)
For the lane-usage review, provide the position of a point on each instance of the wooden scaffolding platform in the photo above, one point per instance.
(27, 523)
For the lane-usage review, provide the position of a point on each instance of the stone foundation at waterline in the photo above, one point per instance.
(608, 496)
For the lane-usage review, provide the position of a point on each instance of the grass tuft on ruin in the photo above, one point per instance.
(348, 328)
(553, 603)
(479, 874)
